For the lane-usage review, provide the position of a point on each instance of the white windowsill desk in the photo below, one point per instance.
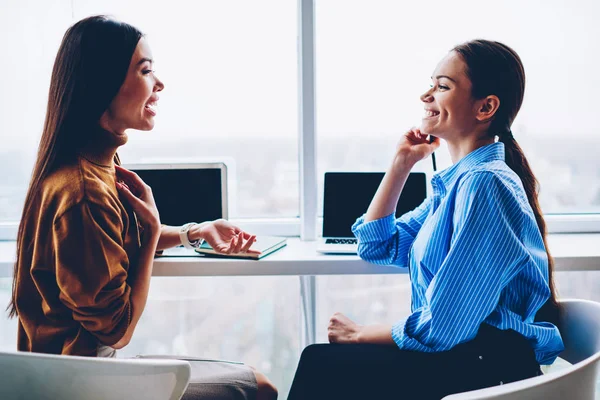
(572, 252)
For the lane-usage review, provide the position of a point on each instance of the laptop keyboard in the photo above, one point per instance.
(341, 241)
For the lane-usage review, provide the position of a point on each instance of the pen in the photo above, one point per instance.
(431, 139)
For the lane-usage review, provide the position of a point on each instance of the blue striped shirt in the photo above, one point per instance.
(474, 253)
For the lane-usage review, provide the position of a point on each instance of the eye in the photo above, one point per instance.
(443, 87)
(147, 71)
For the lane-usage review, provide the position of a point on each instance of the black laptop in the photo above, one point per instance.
(192, 192)
(347, 196)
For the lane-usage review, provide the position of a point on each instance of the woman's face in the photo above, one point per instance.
(134, 107)
(450, 110)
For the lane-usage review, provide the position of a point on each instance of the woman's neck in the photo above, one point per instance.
(102, 147)
(104, 158)
(460, 148)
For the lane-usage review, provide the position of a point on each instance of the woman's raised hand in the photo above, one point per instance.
(139, 196)
(414, 146)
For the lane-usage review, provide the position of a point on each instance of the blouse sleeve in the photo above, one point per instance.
(387, 240)
(91, 270)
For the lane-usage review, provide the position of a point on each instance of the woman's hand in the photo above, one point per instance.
(139, 196)
(343, 330)
(224, 237)
(414, 146)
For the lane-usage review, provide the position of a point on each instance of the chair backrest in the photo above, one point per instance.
(43, 376)
(580, 330)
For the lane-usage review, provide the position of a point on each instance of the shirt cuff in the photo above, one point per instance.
(374, 231)
(398, 333)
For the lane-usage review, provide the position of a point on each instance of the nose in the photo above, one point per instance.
(159, 85)
(427, 97)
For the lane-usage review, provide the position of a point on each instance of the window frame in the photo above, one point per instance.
(291, 227)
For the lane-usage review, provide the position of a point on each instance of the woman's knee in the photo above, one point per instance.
(266, 390)
(314, 353)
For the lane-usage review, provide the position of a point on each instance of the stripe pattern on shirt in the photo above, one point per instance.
(475, 255)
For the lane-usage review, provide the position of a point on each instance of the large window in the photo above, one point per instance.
(374, 59)
(230, 74)
(231, 69)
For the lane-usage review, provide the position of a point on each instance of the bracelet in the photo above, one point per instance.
(185, 240)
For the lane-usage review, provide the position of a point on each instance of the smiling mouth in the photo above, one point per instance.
(151, 108)
(431, 114)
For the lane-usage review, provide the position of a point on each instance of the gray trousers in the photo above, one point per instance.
(210, 379)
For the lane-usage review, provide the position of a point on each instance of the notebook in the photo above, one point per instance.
(347, 196)
(191, 192)
(265, 244)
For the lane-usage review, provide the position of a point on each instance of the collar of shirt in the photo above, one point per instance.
(445, 180)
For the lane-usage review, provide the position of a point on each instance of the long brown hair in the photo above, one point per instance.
(90, 68)
(496, 69)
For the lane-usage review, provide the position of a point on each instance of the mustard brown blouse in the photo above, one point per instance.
(79, 243)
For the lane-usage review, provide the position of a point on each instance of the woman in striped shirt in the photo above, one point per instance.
(483, 303)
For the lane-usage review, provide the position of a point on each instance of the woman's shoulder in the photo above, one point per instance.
(494, 178)
(80, 183)
(62, 189)
(99, 184)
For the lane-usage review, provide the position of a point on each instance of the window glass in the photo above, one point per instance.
(375, 58)
(385, 299)
(230, 74)
(30, 33)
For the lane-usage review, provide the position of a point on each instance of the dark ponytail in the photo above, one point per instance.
(496, 69)
(516, 160)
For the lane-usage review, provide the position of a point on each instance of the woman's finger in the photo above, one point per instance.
(247, 235)
(132, 186)
(135, 202)
(426, 148)
(232, 243)
(248, 244)
(131, 178)
(125, 172)
(417, 136)
(238, 244)
(222, 248)
(251, 250)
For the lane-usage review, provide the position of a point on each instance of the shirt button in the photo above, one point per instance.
(502, 383)
(481, 357)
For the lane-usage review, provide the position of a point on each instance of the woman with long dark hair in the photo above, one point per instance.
(90, 229)
(484, 308)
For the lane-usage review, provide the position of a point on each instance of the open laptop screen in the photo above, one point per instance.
(190, 194)
(348, 195)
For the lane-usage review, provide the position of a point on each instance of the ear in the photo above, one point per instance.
(487, 108)
(104, 121)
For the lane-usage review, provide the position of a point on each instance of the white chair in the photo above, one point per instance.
(580, 330)
(43, 376)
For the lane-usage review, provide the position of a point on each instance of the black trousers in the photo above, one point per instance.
(366, 371)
